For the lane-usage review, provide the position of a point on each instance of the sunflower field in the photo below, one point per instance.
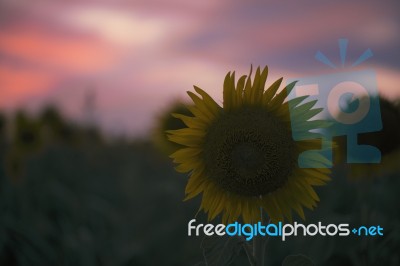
(71, 196)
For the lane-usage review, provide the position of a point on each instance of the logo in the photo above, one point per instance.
(349, 101)
(248, 231)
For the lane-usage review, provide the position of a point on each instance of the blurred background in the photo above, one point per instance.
(86, 89)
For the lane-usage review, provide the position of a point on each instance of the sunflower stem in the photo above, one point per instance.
(249, 253)
(257, 251)
(258, 246)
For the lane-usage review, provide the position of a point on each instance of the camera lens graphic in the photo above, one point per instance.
(354, 93)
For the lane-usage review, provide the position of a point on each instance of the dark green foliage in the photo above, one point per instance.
(363, 202)
(221, 250)
(297, 260)
(80, 200)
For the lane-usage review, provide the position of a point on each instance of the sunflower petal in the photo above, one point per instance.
(278, 100)
(209, 101)
(248, 88)
(309, 190)
(228, 87)
(256, 87)
(305, 107)
(302, 195)
(189, 121)
(187, 166)
(201, 105)
(199, 114)
(271, 209)
(195, 183)
(218, 206)
(187, 132)
(263, 79)
(233, 91)
(186, 153)
(315, 174)
(296, 101)
(309, 114)
(189, 141)
(239, 90)
(271, 91)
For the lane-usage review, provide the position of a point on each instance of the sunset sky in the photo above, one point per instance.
(137, 57)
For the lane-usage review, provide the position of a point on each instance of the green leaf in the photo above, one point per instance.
(220, 250)
(297, 260)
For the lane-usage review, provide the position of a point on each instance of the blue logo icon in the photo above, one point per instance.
(348, 102)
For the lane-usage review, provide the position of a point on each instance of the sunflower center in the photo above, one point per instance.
(249, 151)
(247, 158)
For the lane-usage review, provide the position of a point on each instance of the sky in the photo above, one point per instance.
(134, 58)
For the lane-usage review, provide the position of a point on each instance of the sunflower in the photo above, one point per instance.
(165, 121)
(242, 156)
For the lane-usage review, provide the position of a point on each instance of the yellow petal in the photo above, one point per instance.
(201, 106)
(212, 105)
(199, 114)
(195, 183)
(255, 88)
(187, 132)
(227, 93)
(239, 90)
(189, 121)
(278, 100)
(189, 141)
(248, 89)
(271, 91)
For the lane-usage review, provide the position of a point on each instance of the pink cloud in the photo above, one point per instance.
(141, 55)
(39, 56)
(61, 52)
(17, 84)
(236, 34)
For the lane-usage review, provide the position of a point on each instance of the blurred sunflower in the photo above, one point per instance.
(26, 140)
(386, 140)
(242, 156)
(3, 126)
(165, 121)
(53, 126)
